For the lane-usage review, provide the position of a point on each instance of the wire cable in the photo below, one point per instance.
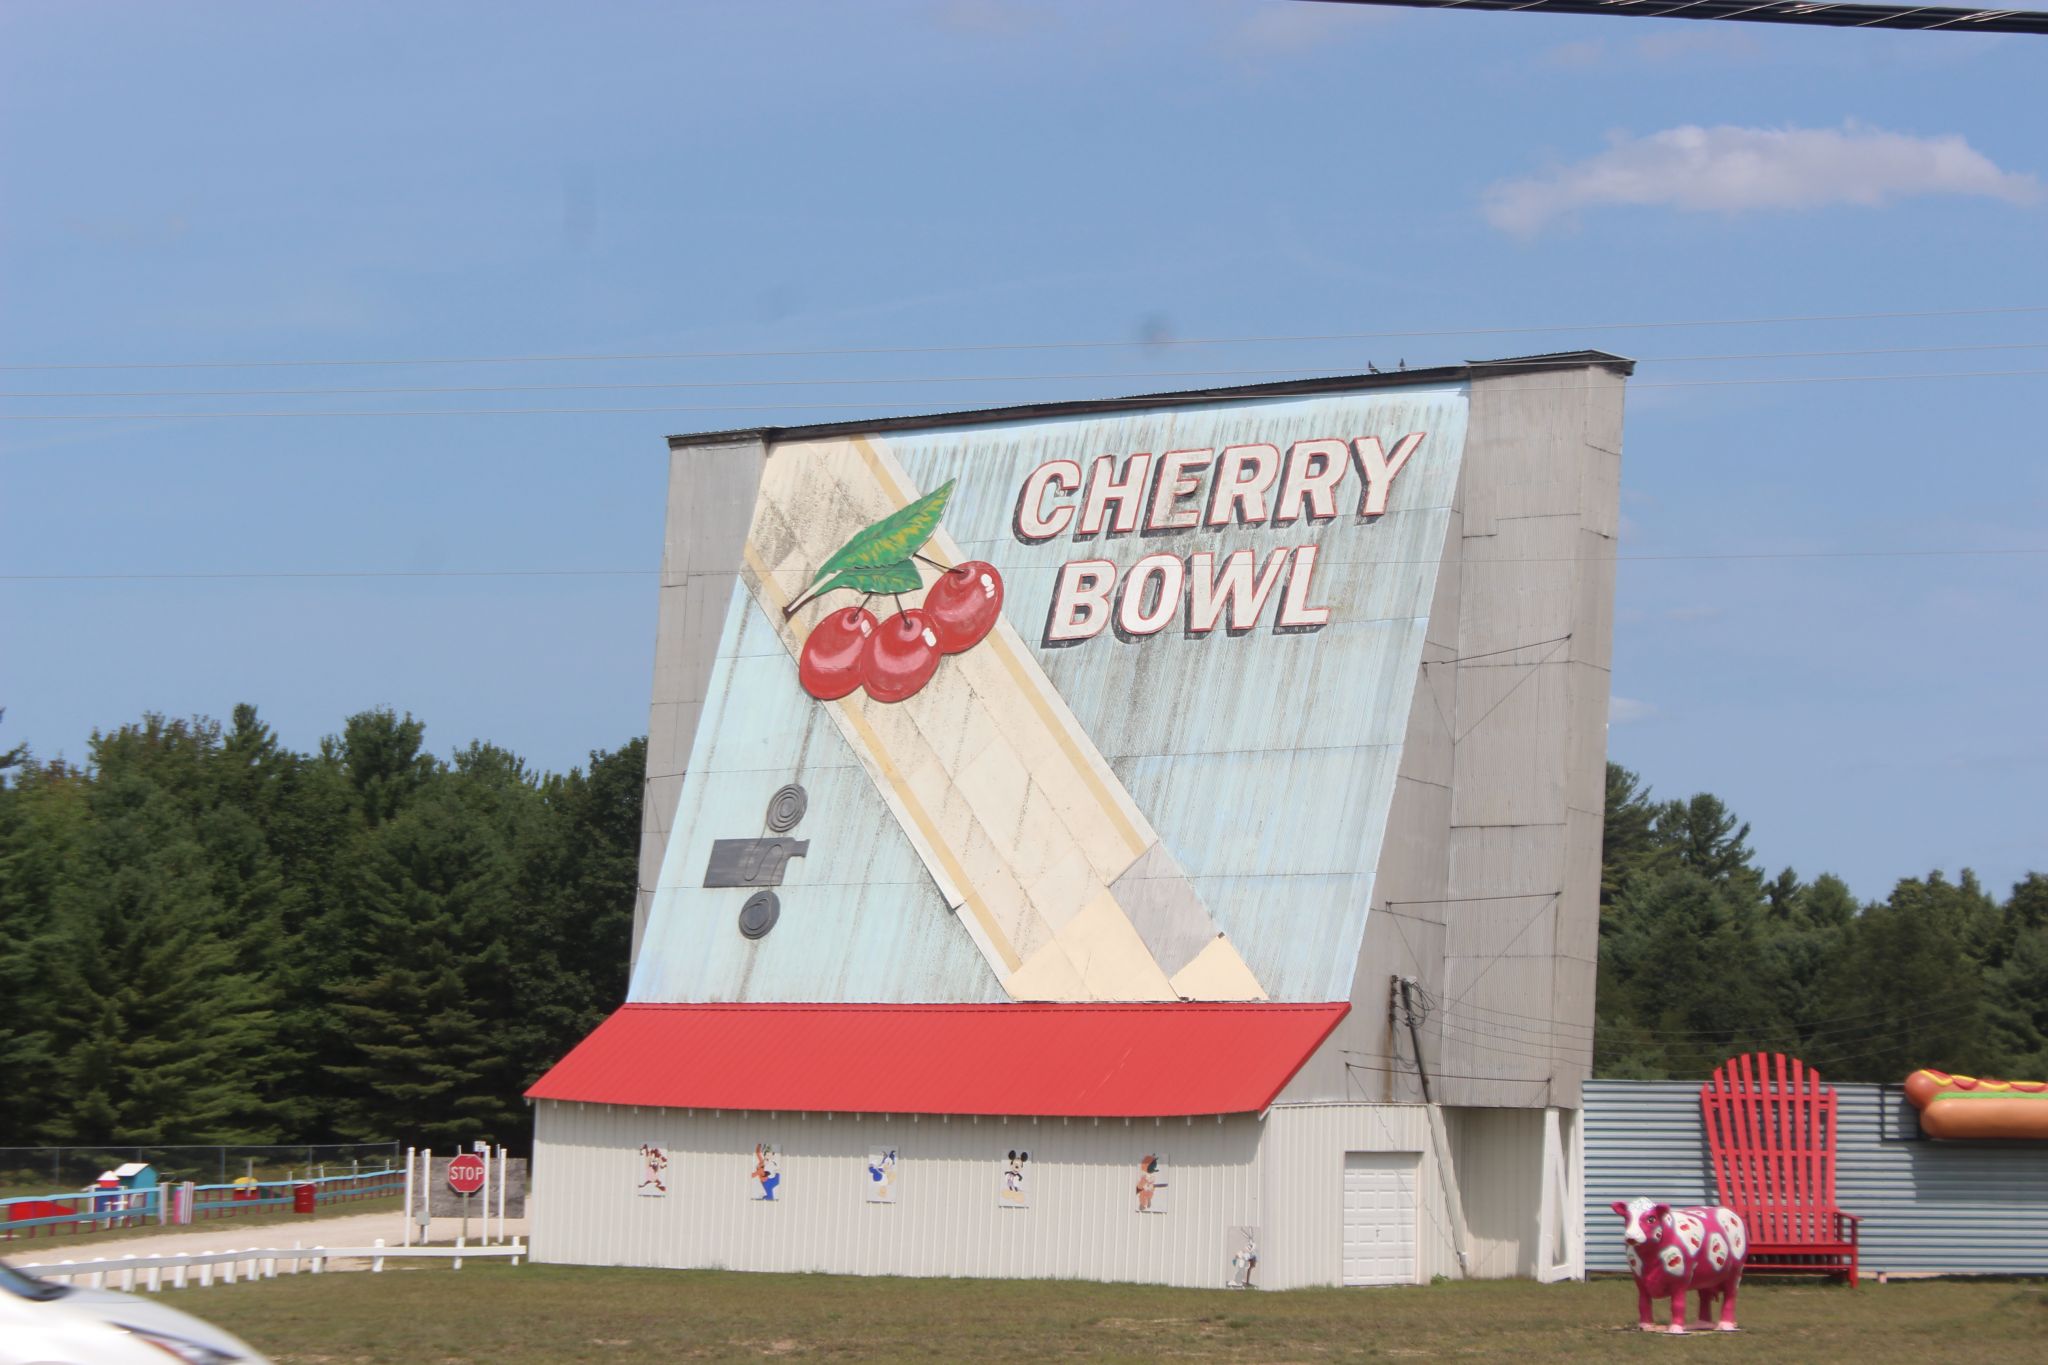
(205, 575)
(982, 347)
(1135, 400)
(1313, 372)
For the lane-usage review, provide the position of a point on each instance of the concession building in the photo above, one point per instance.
(1153, 839)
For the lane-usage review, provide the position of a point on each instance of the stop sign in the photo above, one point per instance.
(466, 1173)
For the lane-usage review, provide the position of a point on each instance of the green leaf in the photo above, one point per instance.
(883, 578)
(893, 539)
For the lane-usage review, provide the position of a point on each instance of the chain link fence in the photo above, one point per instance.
(50, 1169)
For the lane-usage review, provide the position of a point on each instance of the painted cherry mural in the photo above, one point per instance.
(830, 665)
(964, 604)
(900, 656)
(894, 659)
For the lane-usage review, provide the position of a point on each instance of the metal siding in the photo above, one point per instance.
(1498, 1155)
(1302, 1188)
(1949, 1207)
(1082, 1223)
(710, 489)
(1501, 767)
(1168, 714)
(1282, 1177)
(1289, 881)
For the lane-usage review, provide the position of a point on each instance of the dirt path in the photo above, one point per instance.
(344, 1230)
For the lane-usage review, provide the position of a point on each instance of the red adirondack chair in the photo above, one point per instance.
(1771, 1125)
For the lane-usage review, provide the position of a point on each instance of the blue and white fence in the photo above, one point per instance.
(96, 1210)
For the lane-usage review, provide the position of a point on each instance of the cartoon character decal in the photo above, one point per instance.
(1015, 1190)
(1243, 1261)
(881, 1181)
(653, 1165)
(767, 1172)
(1151, 1182)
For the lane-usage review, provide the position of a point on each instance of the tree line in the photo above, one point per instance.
(1703, 956)
(209, 937)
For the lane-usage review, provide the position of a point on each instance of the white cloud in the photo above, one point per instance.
(1622, 710)
(1736, 170)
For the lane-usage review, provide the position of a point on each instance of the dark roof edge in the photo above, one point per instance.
(1285, 388)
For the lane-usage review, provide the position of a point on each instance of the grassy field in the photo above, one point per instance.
(503, 1315)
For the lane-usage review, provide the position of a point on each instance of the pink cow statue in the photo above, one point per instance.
(1673, 1250)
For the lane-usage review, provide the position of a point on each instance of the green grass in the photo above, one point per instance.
(503, 1315)
(57, 1236)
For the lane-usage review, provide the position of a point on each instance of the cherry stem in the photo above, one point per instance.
(942, 568)
(899, 602)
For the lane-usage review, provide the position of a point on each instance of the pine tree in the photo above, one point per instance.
(1908, 989)
(430, 1037)
(160, 1033)
(42, 819)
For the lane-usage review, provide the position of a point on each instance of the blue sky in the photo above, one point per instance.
(250, 182)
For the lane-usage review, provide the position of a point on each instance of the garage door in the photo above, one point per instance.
(1379, 1217)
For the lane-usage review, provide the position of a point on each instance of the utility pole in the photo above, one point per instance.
(1407, 984)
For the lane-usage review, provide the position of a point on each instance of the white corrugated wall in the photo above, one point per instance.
(1082, 1224)
(1498, 1155)
(1282, 1177)
(1301, 1241)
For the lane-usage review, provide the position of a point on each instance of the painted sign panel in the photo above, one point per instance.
(880, 1185)
(766, 1177)
(1106, 707)
(1155, 1186)
(1013, 1185)
(653, 1172)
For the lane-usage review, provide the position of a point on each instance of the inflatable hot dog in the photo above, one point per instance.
(1978, 1107)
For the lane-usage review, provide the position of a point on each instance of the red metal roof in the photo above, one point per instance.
(1079, 1061)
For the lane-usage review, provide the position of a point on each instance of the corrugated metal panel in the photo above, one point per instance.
(1082, 1222)
(1280, 1180)
(1183, 719)
(1952, 1207)
(1176, 718)
(1078, 1060)
(1302, 1190)
(1498, 1155)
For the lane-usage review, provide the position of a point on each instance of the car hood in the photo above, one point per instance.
(154, 1315)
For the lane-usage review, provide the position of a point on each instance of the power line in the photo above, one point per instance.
(1825, 1024)
(1136, 400)
(1317, 372)
(203, 575)
(1826, 14)
(983, 347)
(1471, 900)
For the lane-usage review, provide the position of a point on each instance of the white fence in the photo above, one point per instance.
(147, 1272)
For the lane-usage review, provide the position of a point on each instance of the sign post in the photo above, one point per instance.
(466, 1174)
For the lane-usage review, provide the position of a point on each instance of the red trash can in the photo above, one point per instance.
(303, 1198)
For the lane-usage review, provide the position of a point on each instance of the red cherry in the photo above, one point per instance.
(964, 604)
(900, 657)
(829, 666)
